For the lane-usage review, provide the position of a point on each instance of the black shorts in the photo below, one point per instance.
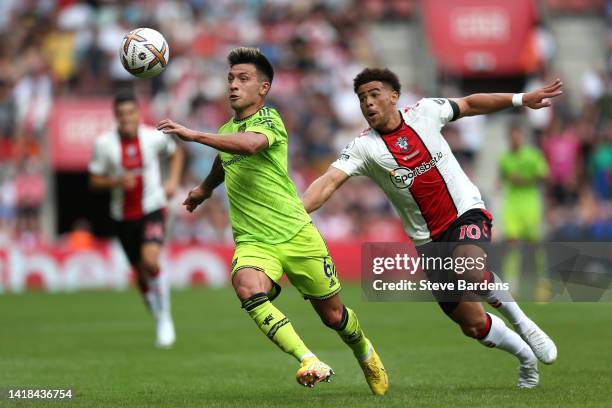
(472, 227)
(134, 233)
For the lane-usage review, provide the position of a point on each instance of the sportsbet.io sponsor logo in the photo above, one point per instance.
(403, 177)
(234, 160)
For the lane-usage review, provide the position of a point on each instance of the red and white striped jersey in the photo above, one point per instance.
(114, 156)
(416, 169)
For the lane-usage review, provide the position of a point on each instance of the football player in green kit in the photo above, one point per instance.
(522, 169)
(272, 231)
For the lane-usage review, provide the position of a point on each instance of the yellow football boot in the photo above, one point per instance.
(375, 374)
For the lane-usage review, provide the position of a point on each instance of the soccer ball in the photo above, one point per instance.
(144, 52)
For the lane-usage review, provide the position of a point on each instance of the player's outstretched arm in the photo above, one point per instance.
(322, 188)
(483, 103)
(248, 143)
(203, 191)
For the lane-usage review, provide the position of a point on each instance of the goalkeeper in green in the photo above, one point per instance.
(272, 231)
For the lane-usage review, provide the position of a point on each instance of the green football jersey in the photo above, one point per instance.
(264, 203)
(528, 163)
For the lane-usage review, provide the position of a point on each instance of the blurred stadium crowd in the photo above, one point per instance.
(60, 47)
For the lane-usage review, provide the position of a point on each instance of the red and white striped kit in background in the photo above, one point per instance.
(114, 156)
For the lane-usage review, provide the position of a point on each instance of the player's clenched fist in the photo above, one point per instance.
(196, 197)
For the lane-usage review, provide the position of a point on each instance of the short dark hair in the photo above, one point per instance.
(384, 75)
(250, 55)
(124, 96)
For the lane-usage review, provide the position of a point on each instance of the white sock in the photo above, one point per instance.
(503, 301)
(503, 338)
(157, 296)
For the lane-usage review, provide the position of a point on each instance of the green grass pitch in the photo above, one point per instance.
(100, 344)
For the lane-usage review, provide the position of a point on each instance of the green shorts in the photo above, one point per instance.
(304, 258)
(522, 221)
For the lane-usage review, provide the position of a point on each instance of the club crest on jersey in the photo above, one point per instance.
(131, 151)
(402, 143)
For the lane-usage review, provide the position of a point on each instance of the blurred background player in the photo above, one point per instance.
(404, 153)
(272, 231)
(522, 170)
(127, 162)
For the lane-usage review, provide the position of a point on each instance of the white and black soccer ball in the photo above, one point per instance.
(144, 52)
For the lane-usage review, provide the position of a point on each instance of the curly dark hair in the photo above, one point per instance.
(250, 55)
(384, 75)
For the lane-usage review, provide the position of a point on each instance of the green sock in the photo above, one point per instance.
(275, 325)
(350, 332)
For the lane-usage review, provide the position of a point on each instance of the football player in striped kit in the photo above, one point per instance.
(126, 161)
(442, 211)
